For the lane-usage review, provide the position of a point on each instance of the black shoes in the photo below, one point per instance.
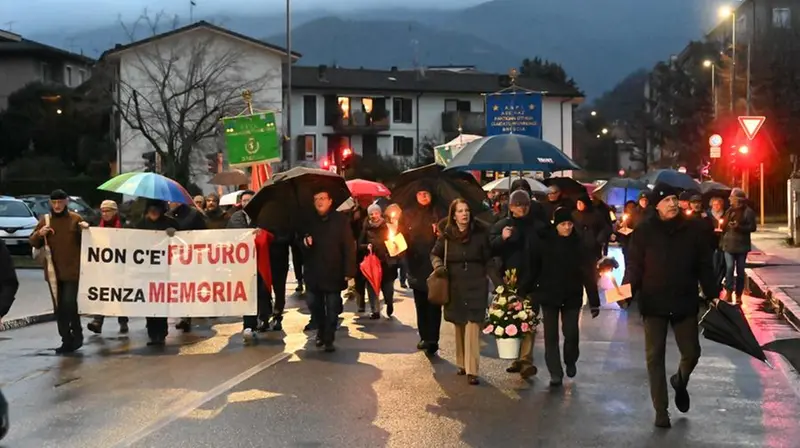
(277, 323)
(515, 367)
(432, 348)
(682, 400)
(184, 326)
(123, 328)
(528, 371)
(572, 370)
(69, 347)
(95, 327)
(473, 380)
(422, 345)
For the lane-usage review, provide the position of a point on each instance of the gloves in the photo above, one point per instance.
(171, 232)
(595, 312)
(440, 272)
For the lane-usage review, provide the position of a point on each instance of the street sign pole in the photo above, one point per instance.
(761, 192)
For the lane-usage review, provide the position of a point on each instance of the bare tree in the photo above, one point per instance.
(173, 92)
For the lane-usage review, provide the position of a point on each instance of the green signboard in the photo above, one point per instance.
(251, 139)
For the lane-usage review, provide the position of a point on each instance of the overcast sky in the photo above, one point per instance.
(36, 16)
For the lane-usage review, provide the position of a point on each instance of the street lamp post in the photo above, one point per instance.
(726, 12)
(713, 84)
(288, 106)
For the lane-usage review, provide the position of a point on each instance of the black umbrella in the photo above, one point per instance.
(726, 324)
(710, 185)
(672, 178)
(511, 152)
(445, 186)
(569, 187)
(288, 199)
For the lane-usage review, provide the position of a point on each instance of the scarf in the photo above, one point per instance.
(115, 223)
(457, 235)
(263, 240)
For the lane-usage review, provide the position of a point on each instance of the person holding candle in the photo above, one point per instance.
(738, 223)
(716, 214)
(373, 241)
(393, 213)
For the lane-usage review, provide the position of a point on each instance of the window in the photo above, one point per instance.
(68, 76)
(310, 110)
(310, 145)
(331, 108)
(46, 73)
(457, 106)
(366, 105)
(82, 76)
(403, 146)
(741, 25)
(401, 111)
(781, 18)
(344, 107)
(14, 209)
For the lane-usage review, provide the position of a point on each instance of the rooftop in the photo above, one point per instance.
(419, 80)
(11, 43)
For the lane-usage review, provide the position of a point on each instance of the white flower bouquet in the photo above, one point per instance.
(510, 315)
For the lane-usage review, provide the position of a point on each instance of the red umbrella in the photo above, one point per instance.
(371, 268)
(360, 187)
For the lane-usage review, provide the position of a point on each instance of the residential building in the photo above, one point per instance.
(205, 69)
(754, 19)
(24, 61)
(395, 112)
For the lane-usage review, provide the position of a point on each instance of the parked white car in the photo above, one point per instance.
(17, 222)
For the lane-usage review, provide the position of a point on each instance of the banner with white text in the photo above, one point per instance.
(146, 273)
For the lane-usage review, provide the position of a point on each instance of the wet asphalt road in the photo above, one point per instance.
(207, 390)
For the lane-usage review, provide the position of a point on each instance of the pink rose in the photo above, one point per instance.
(489, 329)
(511, 330)
(518, 306)
(525, 327)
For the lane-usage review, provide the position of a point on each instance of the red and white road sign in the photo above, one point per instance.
(752, 125)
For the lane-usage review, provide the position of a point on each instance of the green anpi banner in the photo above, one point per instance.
(251, 139)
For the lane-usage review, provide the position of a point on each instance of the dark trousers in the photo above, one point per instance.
(719, 266)
(264, 306)
(402, 267)
(279, 266)
(361, 290)
(69, 322)
(571, 331)
(735, 262)
(429, 318)
(157, 328)
(325, 309)
(655, 339)
(387, 288)
(297, 263)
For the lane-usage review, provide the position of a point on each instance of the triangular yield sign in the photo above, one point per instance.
(751, 125)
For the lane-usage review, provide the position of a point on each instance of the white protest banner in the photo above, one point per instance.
(146, 273)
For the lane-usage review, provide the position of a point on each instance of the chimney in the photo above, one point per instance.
(394, 68)
(322, 72)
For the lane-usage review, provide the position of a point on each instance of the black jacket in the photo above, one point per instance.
(332, 255)
(666, 262)
(240, 220)
(8, 280)
(520, 251)
(417, 226)
(593, 229)
(550, 207)
(375, 236)
(163, 222)
(567, 268)
(188, 218)
(738, 224)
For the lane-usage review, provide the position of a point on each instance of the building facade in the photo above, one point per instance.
(204, 70)
(393, 113)
(24, 61)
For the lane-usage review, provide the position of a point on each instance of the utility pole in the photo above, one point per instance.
(733, 58)
(288, 101)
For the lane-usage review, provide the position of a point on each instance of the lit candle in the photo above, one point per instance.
(688, 212)
(719, 228)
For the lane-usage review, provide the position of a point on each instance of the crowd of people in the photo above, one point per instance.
(554, 245)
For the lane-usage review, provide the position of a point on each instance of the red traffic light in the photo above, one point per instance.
(744, 149)
(325, 163)
(346, 152)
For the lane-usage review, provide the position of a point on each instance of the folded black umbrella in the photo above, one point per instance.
(3, 416)
(726, 324)
(444, 186)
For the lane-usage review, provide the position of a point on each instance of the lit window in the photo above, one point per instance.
(344, 106)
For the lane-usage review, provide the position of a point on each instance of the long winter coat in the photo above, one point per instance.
(332, 255)
(666, 262)
(417, 226)
(736, 240)
(521, 250)
(592, 228)
(567, 267)
(469, 266)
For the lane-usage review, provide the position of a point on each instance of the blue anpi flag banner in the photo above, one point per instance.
(514, 113)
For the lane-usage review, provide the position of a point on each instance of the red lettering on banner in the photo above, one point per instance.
(172, 292)
(227, 254)
(187, 292)
(239, 293)
(156, 293)
(198, 250)
(185, 255)
(214, 253)
(219, 292)
(204, 292)
(242, 253)
(170, 253)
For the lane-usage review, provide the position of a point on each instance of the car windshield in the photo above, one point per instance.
(14, 209)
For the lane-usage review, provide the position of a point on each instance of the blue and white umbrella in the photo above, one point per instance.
(511, 152)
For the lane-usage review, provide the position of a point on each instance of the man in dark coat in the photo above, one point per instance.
(418, 226)
(9, 284)
(738, 223)
(188, 217)
(555, 200)
(515, 241)
(568, 267)
(668, 257)
(536, 210)
(155, 218)
(593, 228)
(215, 217)
(330, 258)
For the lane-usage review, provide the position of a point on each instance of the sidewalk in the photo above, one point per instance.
(33, 304)
(774, 273)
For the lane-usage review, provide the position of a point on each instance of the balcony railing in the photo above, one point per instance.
(469, 122)
(362, 123)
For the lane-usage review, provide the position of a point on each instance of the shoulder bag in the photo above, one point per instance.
(40, 254)
(439, 286)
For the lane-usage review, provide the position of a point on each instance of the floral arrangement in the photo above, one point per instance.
(510, 315)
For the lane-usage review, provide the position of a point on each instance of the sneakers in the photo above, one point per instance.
(682, 400)
(249, 336)
(374, 315)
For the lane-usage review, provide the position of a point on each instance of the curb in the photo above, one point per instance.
(780, 302)
(21, 322)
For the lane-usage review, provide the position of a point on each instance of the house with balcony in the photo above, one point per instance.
(23, 61)
(395, 112)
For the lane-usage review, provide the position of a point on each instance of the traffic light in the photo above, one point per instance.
(347, 158)
(214, 162)
(744, 150)
(325, 163)
(149, 161)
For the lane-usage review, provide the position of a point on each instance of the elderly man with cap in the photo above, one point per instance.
(683, 200)
(109, 217)
(418, 225)
(515, 241)
(668, 257)
(61, 231)
(737, 225)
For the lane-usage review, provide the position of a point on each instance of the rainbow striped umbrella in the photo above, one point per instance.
(148, 185)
